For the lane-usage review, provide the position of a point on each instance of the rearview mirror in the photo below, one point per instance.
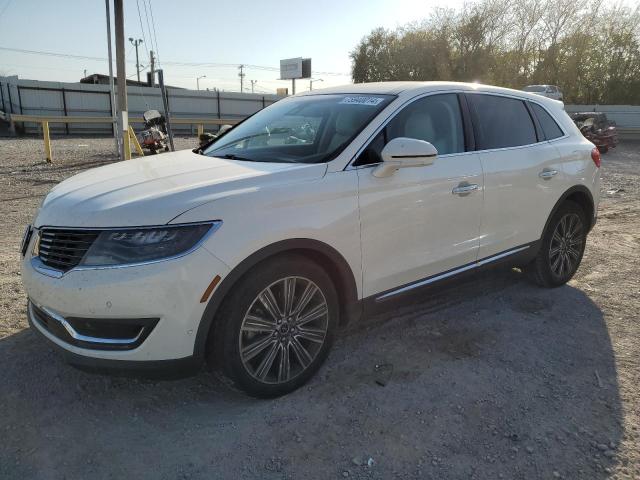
(404, 152)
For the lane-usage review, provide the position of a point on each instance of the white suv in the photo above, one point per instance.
(549, 91)
(251, 252)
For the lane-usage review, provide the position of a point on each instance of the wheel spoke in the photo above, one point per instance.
(563, 225)
(556, 263)
(255, 348)
(575, 241)
(284, 367)
(317, 312)
(556, 237)
(305, 298)
(554, 251)
(289, 294)
(303, 355)
(265, 366)
(575, 233)
(570, 224)
(270, 303)
(569, 264)
(573, 252)
(253, 323)
(315, 335)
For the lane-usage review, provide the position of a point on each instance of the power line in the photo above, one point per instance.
(155, 37)
(146, 14)
(144, 38)
(177, 64)
(6, 5)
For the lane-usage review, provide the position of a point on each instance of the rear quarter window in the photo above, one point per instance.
(549, 126)
(501, 122)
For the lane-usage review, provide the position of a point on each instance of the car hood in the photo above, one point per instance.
(154, 190)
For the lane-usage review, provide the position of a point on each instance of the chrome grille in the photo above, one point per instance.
(64, 249)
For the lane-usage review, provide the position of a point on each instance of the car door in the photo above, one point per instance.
(418, 222)
(523, 176)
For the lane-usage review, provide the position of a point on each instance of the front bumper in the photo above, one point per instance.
(166, 295)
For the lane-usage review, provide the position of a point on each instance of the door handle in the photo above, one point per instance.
(464, 189)
(547, 174)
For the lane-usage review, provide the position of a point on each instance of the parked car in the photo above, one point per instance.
(596, 127)
(549, 91)
(251, 252)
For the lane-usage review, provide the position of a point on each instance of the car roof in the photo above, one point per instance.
(416, 88)
(542, 85)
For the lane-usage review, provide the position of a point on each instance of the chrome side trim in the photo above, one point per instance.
(450, 273)
(78, 336)
(142, 227)
(40, 267)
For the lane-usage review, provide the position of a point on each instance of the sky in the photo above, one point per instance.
(251, 32)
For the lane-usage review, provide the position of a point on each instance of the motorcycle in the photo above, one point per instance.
(154, 136)
(207, 138)
(596, 127)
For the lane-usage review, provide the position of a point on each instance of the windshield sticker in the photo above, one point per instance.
(372, 101)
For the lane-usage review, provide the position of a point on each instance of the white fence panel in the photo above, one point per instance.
(32, 97)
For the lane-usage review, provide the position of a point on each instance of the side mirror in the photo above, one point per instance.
(404, 152)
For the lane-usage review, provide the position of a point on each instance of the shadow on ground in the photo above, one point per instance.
(491, 378)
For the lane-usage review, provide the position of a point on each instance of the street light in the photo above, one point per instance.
(314, 80)
(135, 43)
(198, 81)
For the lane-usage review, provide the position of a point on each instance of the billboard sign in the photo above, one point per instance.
(292, 68)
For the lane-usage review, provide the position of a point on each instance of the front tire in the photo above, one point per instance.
(276, 327)
(561, 248)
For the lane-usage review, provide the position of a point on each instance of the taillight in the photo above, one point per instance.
(595, 156)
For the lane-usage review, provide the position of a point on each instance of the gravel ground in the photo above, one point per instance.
(494, 378)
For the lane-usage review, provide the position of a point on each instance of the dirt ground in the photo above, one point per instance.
(492, 378)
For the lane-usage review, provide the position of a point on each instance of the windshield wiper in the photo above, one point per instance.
(231, 156)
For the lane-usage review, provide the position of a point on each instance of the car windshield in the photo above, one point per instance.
(307, 129)
(535, 88)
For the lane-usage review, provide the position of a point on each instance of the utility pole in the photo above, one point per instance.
(152, 67)
(253, 82)
(241, 75)
(165, 103)
(112, 90)
(135, 43)
(122, 79)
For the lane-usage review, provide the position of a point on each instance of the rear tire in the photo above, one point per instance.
(276, 327)
(561, 248)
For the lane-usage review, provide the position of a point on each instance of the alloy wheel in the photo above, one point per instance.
(566, 245)
(283, 330)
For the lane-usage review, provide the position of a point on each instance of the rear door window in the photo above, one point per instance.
(501, 122)
(549, 126)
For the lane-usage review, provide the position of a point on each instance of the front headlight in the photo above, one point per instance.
(145, 244)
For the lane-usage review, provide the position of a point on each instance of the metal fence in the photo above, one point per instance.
(32, 97)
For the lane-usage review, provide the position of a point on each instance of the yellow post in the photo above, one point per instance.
(134, 139)
(200, 130)
(47, 141)
(127, 145)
